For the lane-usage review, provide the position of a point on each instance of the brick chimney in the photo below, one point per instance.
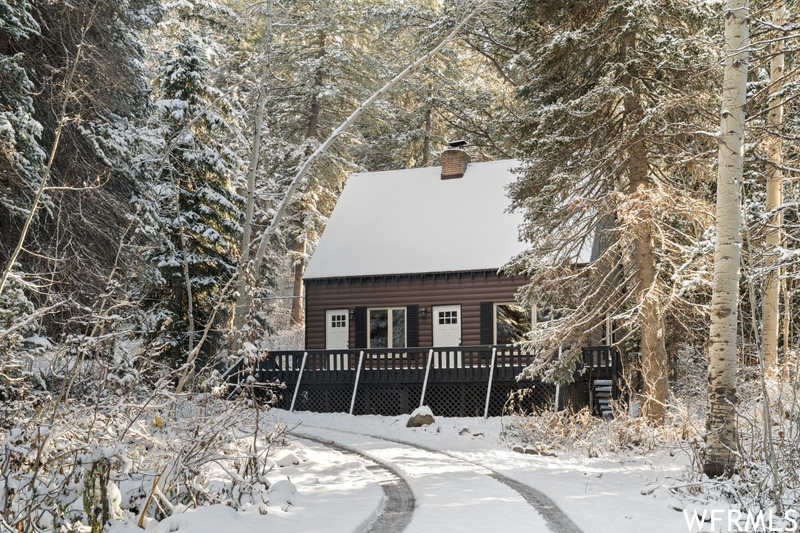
(454, 160)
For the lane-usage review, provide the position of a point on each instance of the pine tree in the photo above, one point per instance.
(200, 213)
(21, 155)
(617, 92)
(52, 58)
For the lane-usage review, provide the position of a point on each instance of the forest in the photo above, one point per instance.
(167, 167)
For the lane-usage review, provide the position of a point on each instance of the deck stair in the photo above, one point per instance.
(601, 394)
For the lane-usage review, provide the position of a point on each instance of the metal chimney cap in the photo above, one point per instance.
(459, 143)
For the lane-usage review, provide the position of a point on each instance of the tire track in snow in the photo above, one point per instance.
(400, 502)
(556, 519)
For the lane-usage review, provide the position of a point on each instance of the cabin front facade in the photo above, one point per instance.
(412, 310)
(412, 258)
(405, 301)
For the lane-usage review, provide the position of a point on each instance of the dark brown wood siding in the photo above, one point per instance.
(465, 289)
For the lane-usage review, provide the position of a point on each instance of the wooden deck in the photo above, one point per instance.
(453, 381)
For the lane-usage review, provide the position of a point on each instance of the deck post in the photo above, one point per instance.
(558, 386)
(299, 378)
(355, 386)
(425, 381)
(489, 388)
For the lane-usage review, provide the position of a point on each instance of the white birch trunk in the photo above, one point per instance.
(721, 431)
(771, 303)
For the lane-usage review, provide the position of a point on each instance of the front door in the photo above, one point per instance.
(337, 329)
(447, 332)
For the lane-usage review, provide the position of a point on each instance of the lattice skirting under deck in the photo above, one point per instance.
(452, 399)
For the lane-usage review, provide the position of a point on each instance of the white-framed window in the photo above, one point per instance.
(338, 320)
(608, 330)
(386, 327)
(542, 314)
(448, 317)
(511, 322)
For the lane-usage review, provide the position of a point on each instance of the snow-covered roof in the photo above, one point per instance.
(412, 222)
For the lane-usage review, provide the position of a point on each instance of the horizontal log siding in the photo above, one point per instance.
(465, 289)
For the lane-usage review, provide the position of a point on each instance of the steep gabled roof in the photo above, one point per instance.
(413, 222)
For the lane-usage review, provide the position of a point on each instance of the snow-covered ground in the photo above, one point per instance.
(613, 494)
(317, 489)
(449, 467)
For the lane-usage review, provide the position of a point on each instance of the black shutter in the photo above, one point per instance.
(487, 323)
(412, 325)
(360, 318)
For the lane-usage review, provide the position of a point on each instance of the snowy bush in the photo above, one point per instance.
(81, 464)
(583, 432)
(290, 338)
(768, 462)
(19, 343)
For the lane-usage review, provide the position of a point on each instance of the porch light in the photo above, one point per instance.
(352, 313)
(423, 313)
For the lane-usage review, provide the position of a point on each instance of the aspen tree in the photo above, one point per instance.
(774, 148)
(721, 430)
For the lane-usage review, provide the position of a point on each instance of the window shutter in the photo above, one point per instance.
(360, 318)
(487, 326)
(412, 323)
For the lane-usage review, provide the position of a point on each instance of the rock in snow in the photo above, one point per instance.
(422, 416)
(285, 458)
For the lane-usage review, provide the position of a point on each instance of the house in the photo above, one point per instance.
(412, 258)
(406, 303)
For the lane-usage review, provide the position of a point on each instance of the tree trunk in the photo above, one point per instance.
(787, 316)
(721, 431)
(297, 290)
(654, 356)
(771, 303)
(312, 132)
(426, 143)
(244, 299)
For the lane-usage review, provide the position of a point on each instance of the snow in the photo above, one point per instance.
(621, 493)
(451, 496)
(327, 492)
(412, 221)
(421, 411)
(599, 494)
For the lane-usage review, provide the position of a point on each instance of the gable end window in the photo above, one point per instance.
(387, 327)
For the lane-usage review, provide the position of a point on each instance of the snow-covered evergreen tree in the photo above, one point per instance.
(199, 212)
(52, 55)
(21, 155)
(618, 95)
